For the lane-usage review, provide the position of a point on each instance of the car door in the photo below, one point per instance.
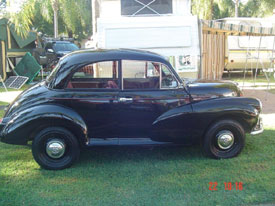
(149, 89)
(95, 89)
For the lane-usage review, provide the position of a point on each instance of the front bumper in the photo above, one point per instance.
(259, 128)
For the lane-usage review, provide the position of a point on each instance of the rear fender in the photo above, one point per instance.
(22, 125)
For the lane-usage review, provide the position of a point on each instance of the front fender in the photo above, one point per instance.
(244, 110)
(20, 126)
(173, 125)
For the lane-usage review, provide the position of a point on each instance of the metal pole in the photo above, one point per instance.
(258, 58)
(55, 24)
(271, 66)
(93, 5)
(3, 83)
(246, 60)
(272, 56)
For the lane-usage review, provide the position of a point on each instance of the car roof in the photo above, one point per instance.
(111, 54)
(59, 42)
(71, 62)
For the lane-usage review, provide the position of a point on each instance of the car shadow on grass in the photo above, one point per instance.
(256, 148)
(254, 145)
(140, 153)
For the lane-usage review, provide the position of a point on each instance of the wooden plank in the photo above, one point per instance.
(213, 55)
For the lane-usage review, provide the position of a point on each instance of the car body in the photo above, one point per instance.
(126, 97)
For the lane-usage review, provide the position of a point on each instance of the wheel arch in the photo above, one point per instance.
(241, 110)
(234, 117)
(56, 122)
(22, 127)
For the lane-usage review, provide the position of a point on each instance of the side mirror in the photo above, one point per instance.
(50, 51)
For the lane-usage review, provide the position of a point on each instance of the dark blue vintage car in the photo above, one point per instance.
(126, 97)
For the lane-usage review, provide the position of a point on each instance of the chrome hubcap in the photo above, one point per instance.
(225, 139)
(55, 148)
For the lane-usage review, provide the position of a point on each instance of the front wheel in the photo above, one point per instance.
(224, 139)
(55, 148)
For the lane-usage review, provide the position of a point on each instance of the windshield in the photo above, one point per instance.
(65, 47)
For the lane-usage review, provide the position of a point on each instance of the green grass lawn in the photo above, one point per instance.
(141, 176)
(2, 111)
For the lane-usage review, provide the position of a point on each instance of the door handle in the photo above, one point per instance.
(125, 99)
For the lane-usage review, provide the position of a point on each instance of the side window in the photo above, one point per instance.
(168, 80)
(100, 75)
(140, 75)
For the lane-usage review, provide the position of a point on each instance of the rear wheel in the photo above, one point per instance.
(55, 148)
(224, 139)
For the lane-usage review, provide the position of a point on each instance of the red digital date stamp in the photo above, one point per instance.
(213, 186)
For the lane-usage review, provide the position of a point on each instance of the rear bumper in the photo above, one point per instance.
(259, 128)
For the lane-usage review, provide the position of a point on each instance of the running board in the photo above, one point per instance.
(124, 142)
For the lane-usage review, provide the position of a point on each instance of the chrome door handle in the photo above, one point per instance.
(125, 99)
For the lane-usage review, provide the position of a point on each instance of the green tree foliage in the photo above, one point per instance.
(203, 8)
(223, 8)
(258, 8)
(251, 9)
(74, 17)
(217, 9)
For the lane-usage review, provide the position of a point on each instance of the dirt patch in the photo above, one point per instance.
(268, 101)
(267, 98)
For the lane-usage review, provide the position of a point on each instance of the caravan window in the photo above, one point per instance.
(145, 7)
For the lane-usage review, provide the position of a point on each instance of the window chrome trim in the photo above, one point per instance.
(160, 75)
(178, 84)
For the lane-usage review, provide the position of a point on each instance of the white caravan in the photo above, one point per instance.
(250, 52)
(165, 27)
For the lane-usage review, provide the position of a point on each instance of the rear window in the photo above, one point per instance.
(65, 47)
(100, 75)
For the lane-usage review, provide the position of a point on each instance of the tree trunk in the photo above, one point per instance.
(211, 9)
(70, 34)
(55, 14)
(236, 8)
